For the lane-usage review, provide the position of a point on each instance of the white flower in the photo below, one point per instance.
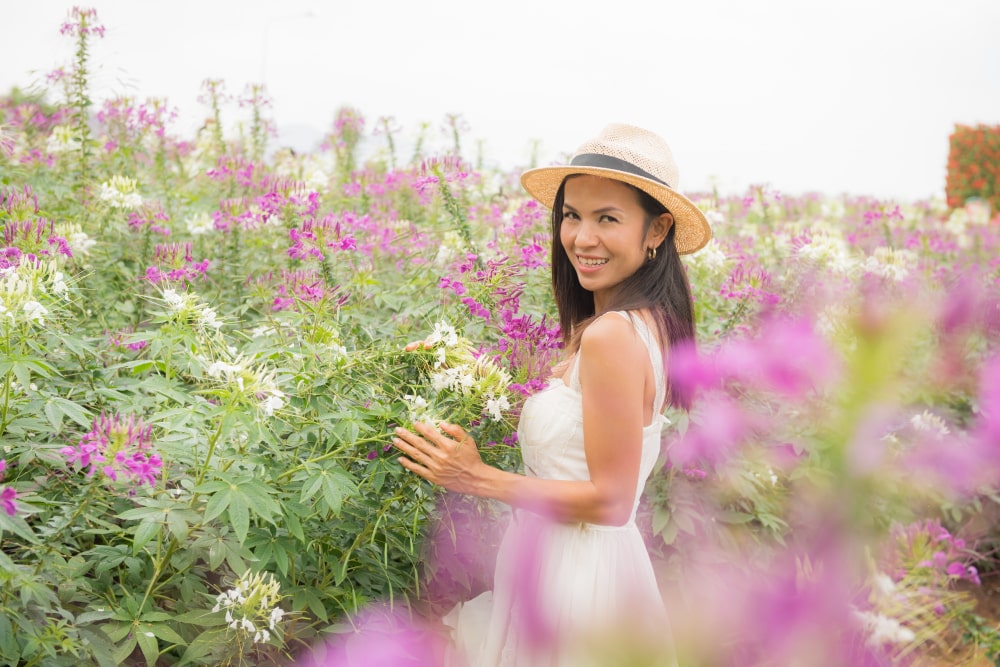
(199, 224)
(219, 368)
(496, 406)
(884, 630)
(35, 312)
(318, 180)
(274, 401)
(890, 263)
(120, 192)
(174, 300)
(830, 250)
(62, 140)
(443, 333)
(711, 256)
(208, 318)
(929, 422)
(59, 287)
(80, 243)
(276, 615)
(883, 584)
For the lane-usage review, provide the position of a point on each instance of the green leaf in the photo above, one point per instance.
(61, 406)
(8, 644)
(148, 644)
(167, 634)
(239, 516)
(100, 646)
(117, 631)
(18, 526)
(202, 617)
(218, 502)
(92, 616)
(123, 651)
(144, 533)
(203, 645)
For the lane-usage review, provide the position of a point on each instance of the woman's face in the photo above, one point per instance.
(603, 233)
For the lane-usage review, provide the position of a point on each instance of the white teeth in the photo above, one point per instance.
(592, 262)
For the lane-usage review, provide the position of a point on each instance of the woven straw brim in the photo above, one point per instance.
(693, 230)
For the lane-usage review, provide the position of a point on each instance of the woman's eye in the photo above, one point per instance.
(608, 218)
(570, 215)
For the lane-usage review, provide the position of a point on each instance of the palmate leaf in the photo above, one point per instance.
(329, 482)
(239, 496)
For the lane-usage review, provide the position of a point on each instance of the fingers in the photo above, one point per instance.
(411, 346)
(456, 432)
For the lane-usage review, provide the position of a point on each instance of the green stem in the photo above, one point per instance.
(213, 441)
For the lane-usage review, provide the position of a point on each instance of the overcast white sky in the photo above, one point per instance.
(837, 96)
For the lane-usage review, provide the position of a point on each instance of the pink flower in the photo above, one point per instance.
(117, 447)
(7, 498)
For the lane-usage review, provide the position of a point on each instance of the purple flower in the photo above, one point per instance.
(720, 429)
(119, 448)
(7, 498)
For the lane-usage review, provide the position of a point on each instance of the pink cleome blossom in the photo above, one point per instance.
(117, 447)
(7, 494)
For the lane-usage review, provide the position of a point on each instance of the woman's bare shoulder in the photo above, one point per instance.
(609, 334)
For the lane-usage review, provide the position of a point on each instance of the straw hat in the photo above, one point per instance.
(637, 157)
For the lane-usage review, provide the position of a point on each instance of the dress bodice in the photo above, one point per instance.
(550, 432)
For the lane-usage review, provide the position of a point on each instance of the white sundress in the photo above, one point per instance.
(562, 591)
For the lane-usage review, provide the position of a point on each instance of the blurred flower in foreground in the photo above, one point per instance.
(379, 638)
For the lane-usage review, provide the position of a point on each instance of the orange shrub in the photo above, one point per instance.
(974, 165)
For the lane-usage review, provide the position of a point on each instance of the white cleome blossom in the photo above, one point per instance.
(35, 312)
(829, 250)
(120, 192)
(495, 406)
(62, 140)
(928, 422)
(251, 607)
(711, 256)
(884, 630)
(891, 264)
(199, 224)
(444, 335)
(30, 290)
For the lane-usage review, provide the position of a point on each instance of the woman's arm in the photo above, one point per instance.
(612, 376)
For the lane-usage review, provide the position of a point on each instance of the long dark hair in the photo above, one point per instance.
(659, 285)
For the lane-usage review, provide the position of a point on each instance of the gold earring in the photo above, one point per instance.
(651, 254)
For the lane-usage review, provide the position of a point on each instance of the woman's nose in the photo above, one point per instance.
(586, 235)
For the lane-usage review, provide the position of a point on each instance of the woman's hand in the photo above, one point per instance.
(450, 459)
(417, 344)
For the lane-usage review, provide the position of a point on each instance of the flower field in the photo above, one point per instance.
(201, 365)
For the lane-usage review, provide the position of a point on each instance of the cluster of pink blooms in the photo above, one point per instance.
(930, 550)
(150, 215)
(749, 281)
(118, 448)
(8, 495)
(313, 238)
(173, 263)
(449, 169)
(306, 285)
(348, 123)
(31, 240)
(82, 22)
(129, 121)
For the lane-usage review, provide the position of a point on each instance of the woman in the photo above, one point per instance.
(573, 570)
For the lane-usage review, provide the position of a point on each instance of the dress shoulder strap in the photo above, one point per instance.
(655, 358)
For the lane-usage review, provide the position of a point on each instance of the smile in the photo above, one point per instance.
(588, 261)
